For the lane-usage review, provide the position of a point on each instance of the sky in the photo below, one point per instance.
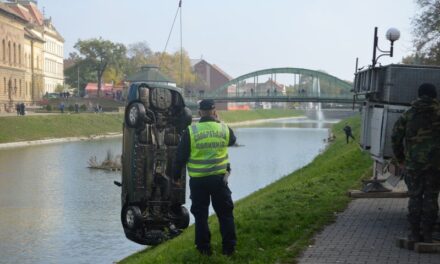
(242, 36)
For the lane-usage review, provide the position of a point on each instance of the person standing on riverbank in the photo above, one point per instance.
(348, 133)
(203, 148)
(416, 147)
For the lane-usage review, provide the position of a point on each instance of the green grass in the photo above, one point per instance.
(36, 127)
(238, 116)
(276, 223)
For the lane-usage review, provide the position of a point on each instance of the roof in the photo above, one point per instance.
(149, 73)
(193, 62)
(28, 33)
(4, 8)
(22, 11)
(94, 87)
(28, 11)
(222, 72)
(37, 16)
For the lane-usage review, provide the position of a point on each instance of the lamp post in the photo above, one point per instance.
(392, 35)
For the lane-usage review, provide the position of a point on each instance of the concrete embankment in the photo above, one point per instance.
(55, 140)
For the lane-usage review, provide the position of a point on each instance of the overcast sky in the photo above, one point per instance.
(242, 36)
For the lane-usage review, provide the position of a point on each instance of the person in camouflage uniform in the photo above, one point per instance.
(416, 146)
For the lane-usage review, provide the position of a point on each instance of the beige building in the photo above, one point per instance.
(12, 67)
(31, 54)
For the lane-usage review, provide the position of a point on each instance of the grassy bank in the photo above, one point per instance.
(36, 127)
(276, 223)
(238, 116)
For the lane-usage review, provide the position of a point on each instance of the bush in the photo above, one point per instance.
(49, 108)
(83, 107)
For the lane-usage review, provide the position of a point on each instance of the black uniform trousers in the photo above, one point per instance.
(203, 189)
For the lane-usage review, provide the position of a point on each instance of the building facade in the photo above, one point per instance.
(12, 69)
(31, 54)
(211, 74)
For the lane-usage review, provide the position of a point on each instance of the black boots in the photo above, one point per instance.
(414, 235)
(427, 234)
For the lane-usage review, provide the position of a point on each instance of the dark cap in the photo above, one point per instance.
(427, 89)
(206, 104)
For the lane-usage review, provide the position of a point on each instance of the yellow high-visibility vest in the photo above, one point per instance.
(209, 149)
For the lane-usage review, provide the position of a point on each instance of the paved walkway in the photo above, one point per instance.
(365, 233)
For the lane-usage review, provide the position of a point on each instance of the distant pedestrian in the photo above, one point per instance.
(274, 91)
(268, 92)
(22, 109)
(252, 91)
(348, 133)
(17, 108)
(76, 108)
(62, 107)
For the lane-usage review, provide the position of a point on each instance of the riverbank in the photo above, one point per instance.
(18, 131)
(276, 223)
(56, 126)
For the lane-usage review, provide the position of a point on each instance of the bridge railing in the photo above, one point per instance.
(268, 97)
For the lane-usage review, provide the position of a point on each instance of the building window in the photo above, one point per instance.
(4, 85)
(19, 54)
(19, 87)
(4, 50)
(15, 54)
(38, 62)
(9, 51)
(15, 86)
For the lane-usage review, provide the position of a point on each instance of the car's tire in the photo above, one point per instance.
(131, 217)
(135, 115)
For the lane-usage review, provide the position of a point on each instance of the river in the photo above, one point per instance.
(53, 209)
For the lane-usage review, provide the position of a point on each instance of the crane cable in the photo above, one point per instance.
(179, 11)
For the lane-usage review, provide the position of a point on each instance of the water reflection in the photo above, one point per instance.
(55, 210)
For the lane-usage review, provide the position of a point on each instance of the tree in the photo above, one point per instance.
(101, 54)
(139, 54)
(427, 31)
(79, 74)
(170, 64)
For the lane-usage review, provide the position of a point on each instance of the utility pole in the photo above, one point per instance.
(77, 82)
(181, 47)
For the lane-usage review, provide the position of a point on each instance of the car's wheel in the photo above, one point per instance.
(135, 115)
(131, 217)
(182, 217)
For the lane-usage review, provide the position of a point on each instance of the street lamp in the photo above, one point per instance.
(392, 35)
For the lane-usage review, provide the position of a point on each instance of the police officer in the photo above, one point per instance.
(203, 149)
(416, 146)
